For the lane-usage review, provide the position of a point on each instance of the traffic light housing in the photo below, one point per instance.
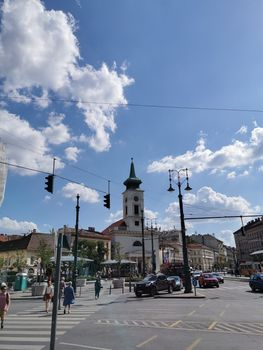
(107, 200)
(49, 183)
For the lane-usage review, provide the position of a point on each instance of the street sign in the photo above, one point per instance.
(194, 281)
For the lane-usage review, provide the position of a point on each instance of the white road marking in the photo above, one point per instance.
(146, 341)
(84, 346)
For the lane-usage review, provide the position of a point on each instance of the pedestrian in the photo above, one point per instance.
(4, 302)
(48, 295)
(98, 287)
(69, 297)
(61, 291)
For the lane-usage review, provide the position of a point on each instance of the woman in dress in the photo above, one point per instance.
(4, 302)
(48, 295)
(69, 297)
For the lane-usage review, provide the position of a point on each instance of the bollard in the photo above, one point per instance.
(130, 286)
(122, 287)
(110, 290)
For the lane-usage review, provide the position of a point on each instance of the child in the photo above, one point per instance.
(4, 302)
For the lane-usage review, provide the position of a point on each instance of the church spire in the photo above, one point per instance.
(132, 182)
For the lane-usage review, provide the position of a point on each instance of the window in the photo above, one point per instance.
(137, 223)
(126, 210)
(136, 209)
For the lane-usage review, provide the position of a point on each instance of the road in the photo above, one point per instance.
(229, 317)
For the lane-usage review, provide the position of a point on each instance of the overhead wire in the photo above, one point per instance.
(141, 105)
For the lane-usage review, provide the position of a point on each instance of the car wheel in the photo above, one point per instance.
(253, 289)
(138, 294)
(170, 289)
(217, 286)
(153, 291)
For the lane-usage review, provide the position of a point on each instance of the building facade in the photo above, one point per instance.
(249, 239)
(200, 257)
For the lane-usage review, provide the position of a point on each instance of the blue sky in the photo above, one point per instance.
(94, 83)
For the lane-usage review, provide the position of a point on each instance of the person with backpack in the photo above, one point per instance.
(4, 302)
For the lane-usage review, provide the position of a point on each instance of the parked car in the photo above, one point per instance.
(208, 280)
(196, 274)
(219, 277)
(256, 282)
(152, 284)
(176, 282)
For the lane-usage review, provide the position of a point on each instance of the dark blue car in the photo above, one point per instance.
(256, 282)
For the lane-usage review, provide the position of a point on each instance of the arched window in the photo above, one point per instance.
(137, 244)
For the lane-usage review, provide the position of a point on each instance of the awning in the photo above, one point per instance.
(257, 252)
(70, 258)
(114, 262)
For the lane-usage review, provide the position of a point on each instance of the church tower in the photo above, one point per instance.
(133, 201)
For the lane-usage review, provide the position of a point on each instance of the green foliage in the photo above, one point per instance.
(116, 251)
(91, 250)
(44, 252)
(20, 262)
(1, 263)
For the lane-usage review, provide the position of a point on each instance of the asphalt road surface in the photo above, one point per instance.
(229, 317)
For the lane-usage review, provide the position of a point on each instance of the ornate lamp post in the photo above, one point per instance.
(188, 283)
(74, 280)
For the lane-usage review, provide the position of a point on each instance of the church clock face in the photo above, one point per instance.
(136, 198)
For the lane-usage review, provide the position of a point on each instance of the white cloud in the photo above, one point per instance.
(113, 217)
(30, 37)
(207, 202)
(72, 153)
(242, 130)
(37, 47)
(57, 132)
(8, 225)
(236, 155)
(227, 237)
(86, 194)
(150, 215)
(25, 146)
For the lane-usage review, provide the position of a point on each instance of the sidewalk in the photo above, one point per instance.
(88, 292)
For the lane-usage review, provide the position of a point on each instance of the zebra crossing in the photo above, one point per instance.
(253, 328)
(31, 329)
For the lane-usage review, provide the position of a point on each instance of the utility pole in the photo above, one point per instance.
(74, 282)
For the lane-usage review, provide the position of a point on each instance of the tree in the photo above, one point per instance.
(2, 261)
(44, 252)
(116, 255)
(94, 250)
(20, 261)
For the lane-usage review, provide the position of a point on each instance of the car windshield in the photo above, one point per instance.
(149, 278)
(176, 278)
(208, 275)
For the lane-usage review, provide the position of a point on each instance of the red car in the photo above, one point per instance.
(208, 280)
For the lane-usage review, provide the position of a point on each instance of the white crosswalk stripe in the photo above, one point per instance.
(30, 329)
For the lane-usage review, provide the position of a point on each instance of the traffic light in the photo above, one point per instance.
(49, 183)
(107, 201)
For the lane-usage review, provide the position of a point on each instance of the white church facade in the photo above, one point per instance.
(127, 233)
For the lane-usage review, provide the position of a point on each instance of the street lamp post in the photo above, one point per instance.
(188, 283)
(76, 246)
(143, 246)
